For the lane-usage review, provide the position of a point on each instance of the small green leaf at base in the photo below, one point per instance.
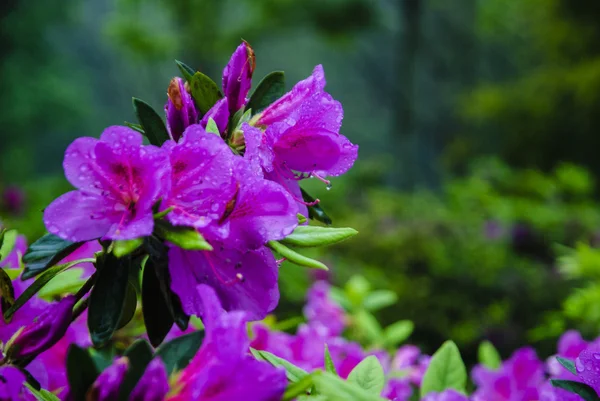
(9, 238)
(311, 236)
(187, 71)
(125, 247)
(211, 127)
(368, 374)
(329, 365)
(204, 91)
(295, 257)
(270, 88)
(184, 237)
(151, 122)
(293, 373)
(581, 389)
(488, 355)
(446, 371)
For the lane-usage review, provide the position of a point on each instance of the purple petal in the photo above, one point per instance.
(237, 76)
(245, 281)
(257, 149)
(320, 309)
(202, 178)
(106, 387)
(219, 113)
(13, 260)
(12, 383)
(588, 366)
(571, 344)
(154, 384)
(180, 109)
(291, 186)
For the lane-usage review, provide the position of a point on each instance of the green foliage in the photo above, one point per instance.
(445, 371)
(369, 376)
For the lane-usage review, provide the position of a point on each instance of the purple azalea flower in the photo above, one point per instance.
(106, 387)
(13, 260)
(180, 109)
(517, 379)
(44, 331)
(118, 182)
(409, 359)
(446, 395)
(154, 384)
(13, 199)
(320, 309)
(202, 178)
(12, 384)
(219, 113)
(222, 369)
(397, 390)
(587, 365)
(237, 77)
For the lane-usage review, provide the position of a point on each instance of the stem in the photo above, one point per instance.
(80, 308)
(86, 287)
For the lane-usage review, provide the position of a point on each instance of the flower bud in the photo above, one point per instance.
(237, 76)
(45, 330)
(154, 384)
(180, 108)
(219, 113)
(107, 385)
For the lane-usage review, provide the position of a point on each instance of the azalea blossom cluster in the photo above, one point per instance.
(238, 186)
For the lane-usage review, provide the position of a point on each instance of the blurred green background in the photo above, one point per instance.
(475, 192)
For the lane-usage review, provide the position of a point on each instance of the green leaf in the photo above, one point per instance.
(41, 395)
(397, 333)
(81, 371)
(177, 353)
(129, 306)
(380, 299)
(293, 373)
(294, 257)
(157, 316)
(184, 237)
(368, 326)
(204, 91)
(125, 247)
(45, 253)
(301, 387)
(315, 212)
(336, 389)
(309, 236)
(103, 357)
(37, 285)
(7, 292)
(271, 88)
(211, 127)
(329, 365)
(187, 71)
(135, 127)
(488, 355)
(107, 299)
(581, 389)
(568, 364)
(9, 238)
(139, 355)
(368, 374)
(154, 127)
(68, 282)
(301, 218)
(446, 371)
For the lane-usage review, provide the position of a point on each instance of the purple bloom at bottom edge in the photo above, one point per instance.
(154, 384)
(106, 387)
(446, 395)
(11, 384)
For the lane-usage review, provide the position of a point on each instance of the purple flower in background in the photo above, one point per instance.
(13, 260)
(219, 113)
(517, 379)
(408, 359)
(397, 390)
(222, 369)
(154, 384)
(237, 77)
(44, 331)
(446, 395)
(106, 387)
(180, 109)
(243, 280)
(118, 182)
(13, 200)
(12, 384)
(320, 309)
(202, 178)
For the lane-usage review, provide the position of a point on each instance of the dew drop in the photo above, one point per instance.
(329, 186)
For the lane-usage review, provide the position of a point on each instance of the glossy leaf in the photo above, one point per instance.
(293, 372)
(36, 286)
(270, 88)
(184, 237)
(187, 71)
(129, 306)
(125, 247)
(204, 91)
(316, 212)
(368, 374)
(108, 297)
(211, 127)
(7, 292)
(68, 282)
(295, 257)
(45, 253)
(336, 389)
(311, 236)
(568, 364)
(139, 355)
(329, 365)
(81, 371)
(153, 125)
(581, 389)
(135, 127)
(41, 395)
(396, 333)
(488, 355)
(446, 371)
(157, 317)
(177, 353)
